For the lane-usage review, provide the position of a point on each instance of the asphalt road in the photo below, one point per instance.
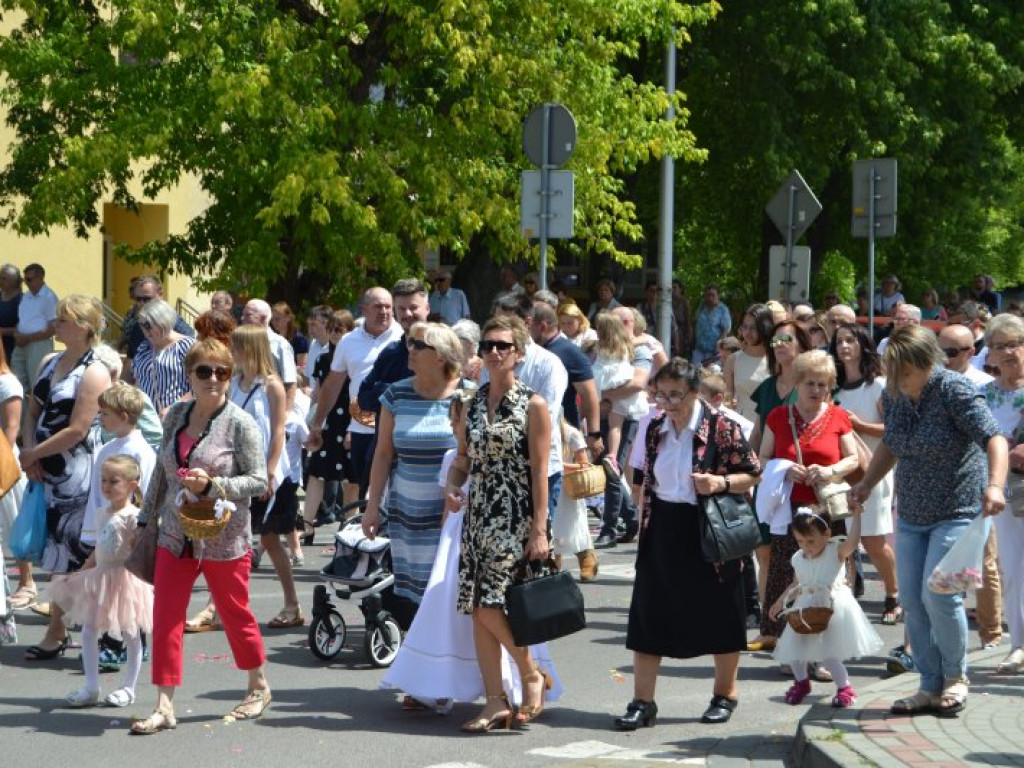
(333, 713)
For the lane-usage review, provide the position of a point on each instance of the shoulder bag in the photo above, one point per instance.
(832, 497)
(141, 561)
(729, 528)
(10, 469)
(544, 608)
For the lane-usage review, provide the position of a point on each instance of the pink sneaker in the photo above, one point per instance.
(844, 698)
(798, 691)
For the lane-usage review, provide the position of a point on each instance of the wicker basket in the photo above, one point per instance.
(198, 518)
(584, 483)
(809, 621)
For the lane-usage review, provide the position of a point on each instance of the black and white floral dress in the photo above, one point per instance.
(66, 475)
(500, 509)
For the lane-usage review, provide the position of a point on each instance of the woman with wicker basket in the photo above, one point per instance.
(669, 562)
(210, 464)
(826, 623)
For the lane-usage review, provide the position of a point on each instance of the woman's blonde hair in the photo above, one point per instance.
(817, 361)
(912, 345)
(444, 341)
(570, 309)
(253, 347)
(613, 340)
(84, 311)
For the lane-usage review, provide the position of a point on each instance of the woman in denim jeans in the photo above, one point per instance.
(952, 461)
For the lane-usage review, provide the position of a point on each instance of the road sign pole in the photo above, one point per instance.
(789, 242)
(667, 225)
(871, 252)
(545, 196)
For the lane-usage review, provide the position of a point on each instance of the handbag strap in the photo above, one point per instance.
(796, 437)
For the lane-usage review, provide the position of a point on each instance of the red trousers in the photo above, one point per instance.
(229, 585)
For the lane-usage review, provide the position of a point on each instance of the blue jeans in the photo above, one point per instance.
(554, 491)
(936, 624)
(617, 499)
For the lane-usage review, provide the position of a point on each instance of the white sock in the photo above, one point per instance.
(839, 673)
(130, 671)
(91, 658)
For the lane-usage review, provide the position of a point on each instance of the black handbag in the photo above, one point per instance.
(544, 608)
(729, 529)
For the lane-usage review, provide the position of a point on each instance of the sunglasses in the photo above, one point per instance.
(143, 299)
(204, 372)
(418, 344)
(781, 339)
(954, 351)
(501, 346)
(146, 326)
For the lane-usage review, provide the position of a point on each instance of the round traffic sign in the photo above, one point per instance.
(560, 139)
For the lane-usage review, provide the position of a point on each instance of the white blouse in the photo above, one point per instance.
(673, 466)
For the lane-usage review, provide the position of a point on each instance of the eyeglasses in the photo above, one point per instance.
(204, 372)
(418, 344)
(501, 346)
(954, 351)
(146, 326)
(672, 398)
(143, 299)
(1009, 346)
(781, 340)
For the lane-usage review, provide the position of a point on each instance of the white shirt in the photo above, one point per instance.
(295, 433)
(284, 357)
(673, 467)
(355, 355)
(315, 348)
(545, 374)
(37, 310)
(978, 376)
(133, 444)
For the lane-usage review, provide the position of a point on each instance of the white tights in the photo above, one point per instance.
(91, 659)
(835, 666)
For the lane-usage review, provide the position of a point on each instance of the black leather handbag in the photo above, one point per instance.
(544, 608)
(729, 528)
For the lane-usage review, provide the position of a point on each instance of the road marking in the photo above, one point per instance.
(582, 750)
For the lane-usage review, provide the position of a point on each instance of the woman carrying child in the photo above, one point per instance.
(613, 368)
(820, 582)
(104, 596)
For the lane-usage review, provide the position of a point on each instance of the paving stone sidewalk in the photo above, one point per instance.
(990, 731)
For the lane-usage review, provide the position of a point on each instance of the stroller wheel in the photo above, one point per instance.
(383, 639)
(327, 635)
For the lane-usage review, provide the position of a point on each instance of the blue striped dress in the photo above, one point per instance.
(415, 502)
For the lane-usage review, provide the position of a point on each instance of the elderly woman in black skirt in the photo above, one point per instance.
(669, 564)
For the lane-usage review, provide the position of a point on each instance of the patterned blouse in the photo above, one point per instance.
(733, 454)
(940, 444)
(231, 451)
(161, 375)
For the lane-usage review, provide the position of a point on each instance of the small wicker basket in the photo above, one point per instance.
(198, 518)
(584, 483)
(809, 621)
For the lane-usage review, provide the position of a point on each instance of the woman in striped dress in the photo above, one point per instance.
(159, 363)
(414, 427)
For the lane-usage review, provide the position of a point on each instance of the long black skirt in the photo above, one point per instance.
(683, 607)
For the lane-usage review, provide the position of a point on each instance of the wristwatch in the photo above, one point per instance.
(596, 435)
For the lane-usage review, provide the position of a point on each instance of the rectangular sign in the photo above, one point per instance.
(562, 196)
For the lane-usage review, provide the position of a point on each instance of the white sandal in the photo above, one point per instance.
(83, 697)
(1013, 662)
(122, 697)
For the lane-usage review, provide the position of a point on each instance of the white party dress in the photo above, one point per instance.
(849, 634)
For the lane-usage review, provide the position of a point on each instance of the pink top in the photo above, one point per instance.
(185, 444)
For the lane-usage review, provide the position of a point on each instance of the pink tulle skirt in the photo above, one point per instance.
(107, 598)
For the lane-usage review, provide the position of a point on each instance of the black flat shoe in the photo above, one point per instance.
(627, 536)
(38, 653)
(638, 713)
(605, 541)
(719, 710)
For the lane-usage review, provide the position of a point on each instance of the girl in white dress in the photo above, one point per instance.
(820, 582)
(613, 368)
(104, 596)
(436, 665)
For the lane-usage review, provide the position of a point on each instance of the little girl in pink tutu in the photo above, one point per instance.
(104, 596)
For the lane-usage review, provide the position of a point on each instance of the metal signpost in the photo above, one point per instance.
(874, 212)
(792, 209)
(549, 138)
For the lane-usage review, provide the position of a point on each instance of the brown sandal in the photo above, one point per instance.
(287, 618)
(530, 712)
(160, 720)
(253, 705)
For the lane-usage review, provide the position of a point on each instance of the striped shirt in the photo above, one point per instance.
(162, 375)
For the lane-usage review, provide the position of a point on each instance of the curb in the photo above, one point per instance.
(831, 738)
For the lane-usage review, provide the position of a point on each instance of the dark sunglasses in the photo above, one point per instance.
(490, 346)
(143, 299)
(781, 339)
(204, 372)
(418, 344)
(146, 326)
(954, 351)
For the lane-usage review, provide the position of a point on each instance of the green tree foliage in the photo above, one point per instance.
(815, 84)
(335, 137)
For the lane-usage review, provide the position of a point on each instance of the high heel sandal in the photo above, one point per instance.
(38, 653)
(482, 724)
(530, 712)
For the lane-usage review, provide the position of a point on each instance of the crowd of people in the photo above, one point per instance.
(459, 438)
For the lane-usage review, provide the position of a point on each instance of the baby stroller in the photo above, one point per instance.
(360, 570)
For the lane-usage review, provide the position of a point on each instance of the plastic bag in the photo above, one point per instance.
(28, 534)
(960, 569)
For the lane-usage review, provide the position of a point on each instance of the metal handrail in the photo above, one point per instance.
(113, 325)
(187, 312)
